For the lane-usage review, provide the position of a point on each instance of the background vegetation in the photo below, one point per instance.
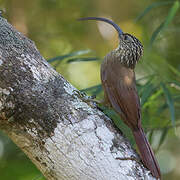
(76, 50)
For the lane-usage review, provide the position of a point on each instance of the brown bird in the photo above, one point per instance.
(119, 84)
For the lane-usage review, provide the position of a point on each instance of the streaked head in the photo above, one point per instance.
(130, 48)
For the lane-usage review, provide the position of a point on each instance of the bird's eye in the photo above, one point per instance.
(127, 38)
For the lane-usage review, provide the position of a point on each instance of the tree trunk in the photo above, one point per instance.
(62, 135)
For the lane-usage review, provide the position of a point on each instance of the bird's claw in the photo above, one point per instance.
(90, 100)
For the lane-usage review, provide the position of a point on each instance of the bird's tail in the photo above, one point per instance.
(146, 153)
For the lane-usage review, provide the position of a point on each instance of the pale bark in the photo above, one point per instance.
(63, 136)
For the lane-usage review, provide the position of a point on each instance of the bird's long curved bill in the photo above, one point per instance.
(118, 29)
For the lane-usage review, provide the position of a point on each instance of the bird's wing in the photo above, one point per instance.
(120, 89)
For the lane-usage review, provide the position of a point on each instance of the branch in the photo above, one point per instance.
(62, 135)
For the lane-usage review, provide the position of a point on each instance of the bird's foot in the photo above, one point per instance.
(90, 100)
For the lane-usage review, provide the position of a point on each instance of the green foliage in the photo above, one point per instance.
(18, 168)
(53, 26)
(94, 90)
(151, 7)
(156, 97)
(172, 12)
(165, 23)
(157, 94)
(163, 136)
(69, 55)
(169, 101)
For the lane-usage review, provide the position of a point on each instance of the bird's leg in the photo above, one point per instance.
(82, 95)
(90, 100)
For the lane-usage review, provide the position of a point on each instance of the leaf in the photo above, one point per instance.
(146, 91)
(38, 177)
(176, 83)
(177, 98)
(153, 97)
(77, 53)
(139, 85)
(168, 19)
(155, 33)
(163, 136)
(161, 109)
(150, 136)
(82, 59)
(146, 77)
(170, 103)
(150, 7)
(94, 89)
(174, 70)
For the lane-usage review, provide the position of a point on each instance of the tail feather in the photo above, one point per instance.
(146, 153)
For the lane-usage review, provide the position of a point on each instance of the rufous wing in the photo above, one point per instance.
(120, 90)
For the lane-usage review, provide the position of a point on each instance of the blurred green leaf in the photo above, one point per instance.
(77, 53)
(150, 7)
(153, 97)
(139, 84)
(94, 89)
(175, 82)
(83, 59)
(177, 98)
(150, 136)
(170, 103)
(163, 136)
(164, 24)
(145, 77)
(174, 70)
(147, 93)
(155, 33)
(38, 177)
(146, 90)
(161, 109)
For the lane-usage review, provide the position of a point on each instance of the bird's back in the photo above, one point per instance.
(120, 89)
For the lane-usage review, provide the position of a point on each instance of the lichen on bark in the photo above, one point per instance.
(61, 134)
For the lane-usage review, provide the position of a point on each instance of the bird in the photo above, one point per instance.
(120, 93)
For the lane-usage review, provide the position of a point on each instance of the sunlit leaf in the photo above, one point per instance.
(77, 53)
(170, 102)
(156, 94)
(168, 19)
(153, 97)
(82, 59)
(152, 6)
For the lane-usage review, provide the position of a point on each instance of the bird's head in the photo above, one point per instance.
(130, 48)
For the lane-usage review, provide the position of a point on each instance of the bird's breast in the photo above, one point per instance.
(114, 70)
